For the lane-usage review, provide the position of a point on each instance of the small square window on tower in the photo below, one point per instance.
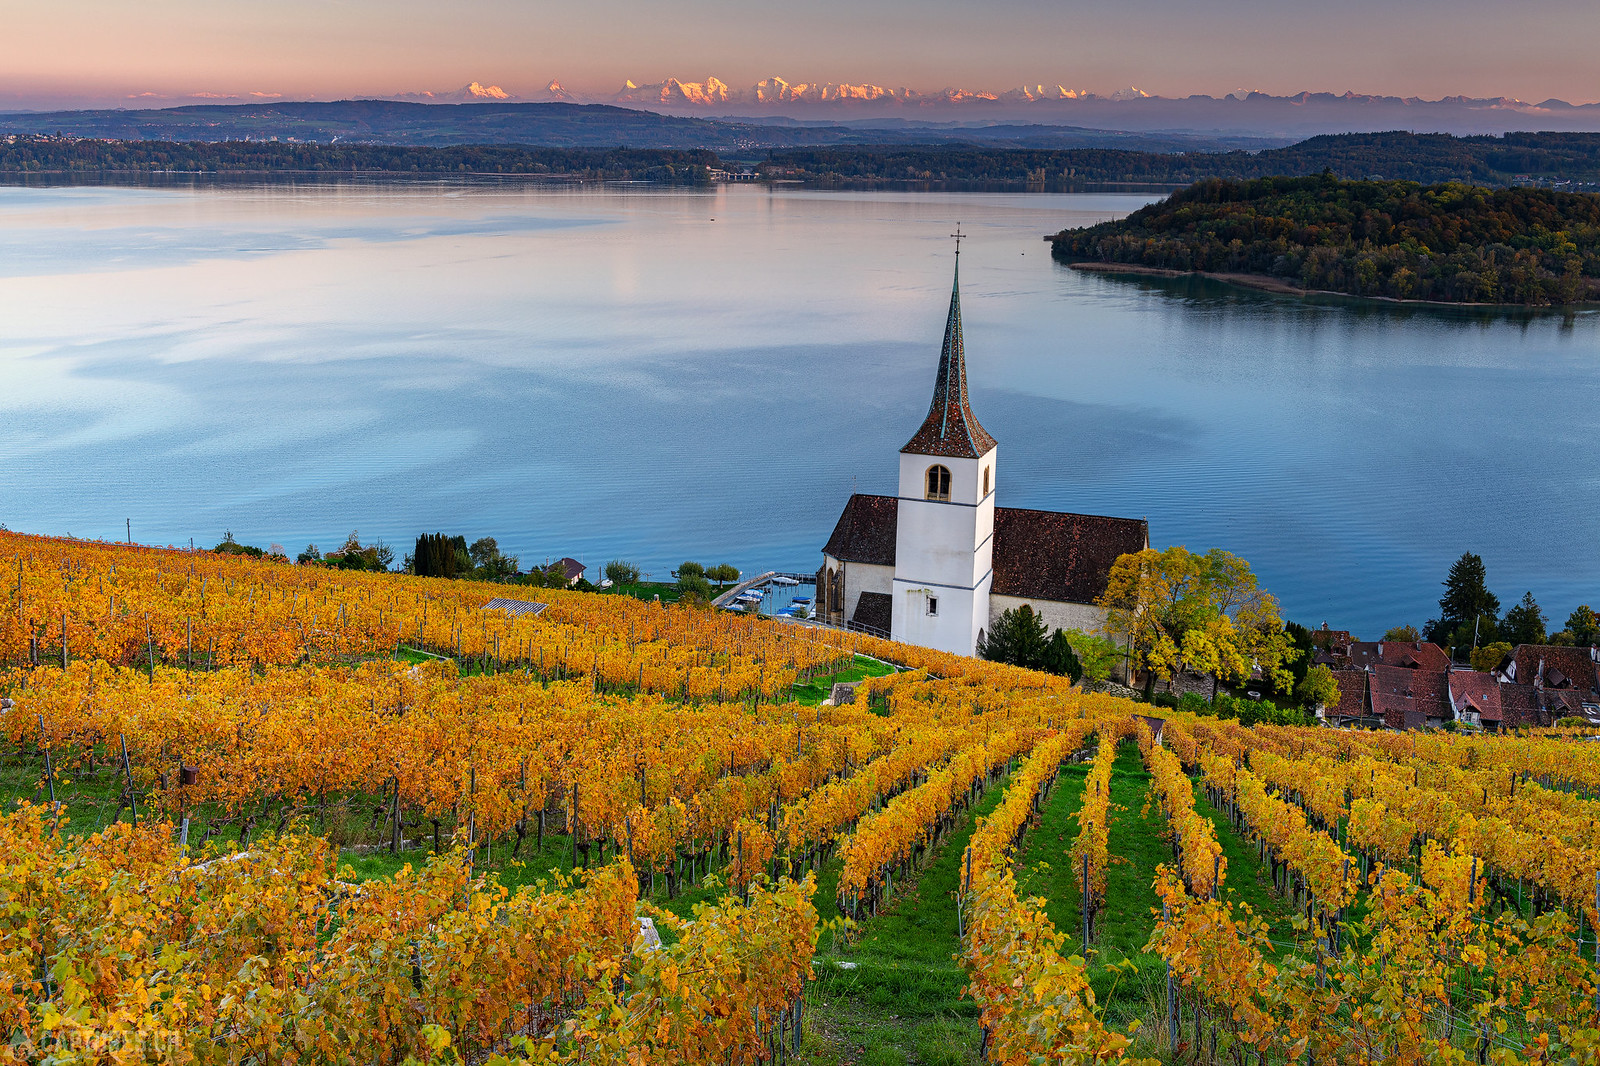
(933, 605)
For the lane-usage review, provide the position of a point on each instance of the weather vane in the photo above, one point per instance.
(958, 235)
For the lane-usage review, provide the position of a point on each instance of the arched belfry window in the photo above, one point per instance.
(938, 482)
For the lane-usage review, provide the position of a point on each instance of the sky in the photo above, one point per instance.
(118, 52)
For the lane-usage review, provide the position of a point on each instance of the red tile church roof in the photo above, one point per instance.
(1052, 555)
(1038, 555)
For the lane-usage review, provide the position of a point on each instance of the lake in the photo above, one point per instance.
(660, 375)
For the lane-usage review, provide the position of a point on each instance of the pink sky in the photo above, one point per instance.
(81, 52)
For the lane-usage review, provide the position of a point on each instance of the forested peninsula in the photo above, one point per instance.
(1449, 243)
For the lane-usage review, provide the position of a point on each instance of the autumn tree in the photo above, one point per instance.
(1489, 656)
(1175, 610)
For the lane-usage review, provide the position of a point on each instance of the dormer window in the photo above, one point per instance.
(939, 483)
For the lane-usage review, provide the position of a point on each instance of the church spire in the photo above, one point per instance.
(951, 429)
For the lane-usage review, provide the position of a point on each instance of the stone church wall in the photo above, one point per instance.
(1056, 613)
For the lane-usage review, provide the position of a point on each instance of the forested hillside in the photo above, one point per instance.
(1450, 242)
(58, 155)
(1516, 158)
(1567, 159)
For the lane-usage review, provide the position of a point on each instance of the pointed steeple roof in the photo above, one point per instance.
(951, 429)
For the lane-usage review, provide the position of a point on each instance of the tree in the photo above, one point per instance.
(1466, 600)
(693, 588)
(1021, 638)
(229, 546)
(1584, 625)
(1096, 654)
(1489, 656)
(690, 569)
(1524, 623)
(1018, 638)
(488, 563)
(483, 550)
(1058, 658)
(723, 574)
(435, 556)
(621, 573)
(310, 555)
(1319, 689)
(1403, 635)
(1175, 610)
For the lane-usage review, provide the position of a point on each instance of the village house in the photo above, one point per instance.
(1414, 685)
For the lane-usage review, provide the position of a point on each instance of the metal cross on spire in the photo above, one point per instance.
(958, 235)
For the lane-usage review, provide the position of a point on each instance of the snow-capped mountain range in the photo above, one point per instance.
(1129, 108)
(714, 93)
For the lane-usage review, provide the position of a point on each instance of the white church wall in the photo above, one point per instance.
(945, 543)
(944, 551)
(954, 628)
(864, 577)
(1057, 614)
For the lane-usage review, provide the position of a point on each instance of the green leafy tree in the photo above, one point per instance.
(690, 569)
(619, 572)
(1021, 638)
(693, 588)
(723, 574)
(1318, 689)
(310, 555)
(1403, 634)
(228, 546)
(1584, 625)
(488, 563)
(1098, 655)
(1525, 623)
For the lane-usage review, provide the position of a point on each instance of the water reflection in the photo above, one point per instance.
(671, 374)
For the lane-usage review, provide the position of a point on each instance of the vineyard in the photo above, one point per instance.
(257, 812)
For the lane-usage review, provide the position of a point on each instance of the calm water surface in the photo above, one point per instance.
(660, 375)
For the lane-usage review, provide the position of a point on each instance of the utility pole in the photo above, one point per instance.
(129, 521)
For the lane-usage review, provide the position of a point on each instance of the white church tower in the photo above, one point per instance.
(944, 540)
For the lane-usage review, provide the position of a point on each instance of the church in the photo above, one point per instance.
(937, 563)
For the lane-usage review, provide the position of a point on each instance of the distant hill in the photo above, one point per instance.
(1562, 160)
(1516, 158)
(560, 125)
(1451, 243)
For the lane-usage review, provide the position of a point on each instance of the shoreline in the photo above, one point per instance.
(1277, 286)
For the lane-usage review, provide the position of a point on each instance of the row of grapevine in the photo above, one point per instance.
(1199, 854)
(896, 836)
(1090, 850)
(1036, 1003)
